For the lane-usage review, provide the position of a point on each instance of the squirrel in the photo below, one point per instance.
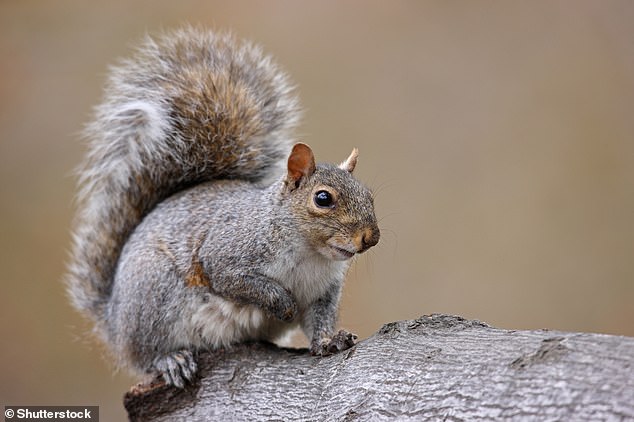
(199, 223)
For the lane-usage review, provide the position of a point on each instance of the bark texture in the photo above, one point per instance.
(437, 367)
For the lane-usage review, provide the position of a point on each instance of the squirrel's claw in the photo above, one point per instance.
(177, 368)
(327, 346)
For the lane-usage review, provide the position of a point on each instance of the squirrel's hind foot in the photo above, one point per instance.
(177, 368)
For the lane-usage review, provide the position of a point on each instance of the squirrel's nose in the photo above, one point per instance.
(369, 237)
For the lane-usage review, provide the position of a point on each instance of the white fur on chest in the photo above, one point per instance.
(306, 274)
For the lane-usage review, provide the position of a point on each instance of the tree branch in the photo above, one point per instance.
(436, 367)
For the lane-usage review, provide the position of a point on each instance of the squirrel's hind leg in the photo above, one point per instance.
(177, 368)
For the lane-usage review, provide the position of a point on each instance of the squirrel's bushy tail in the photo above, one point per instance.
(188, 107)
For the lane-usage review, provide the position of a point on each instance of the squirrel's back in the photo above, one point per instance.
(188, 107)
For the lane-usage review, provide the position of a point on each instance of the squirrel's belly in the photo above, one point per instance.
(220, 323)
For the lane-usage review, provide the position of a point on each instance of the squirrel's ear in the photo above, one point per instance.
(351, 161)
(301, 163)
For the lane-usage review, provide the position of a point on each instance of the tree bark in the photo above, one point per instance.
(436, 367)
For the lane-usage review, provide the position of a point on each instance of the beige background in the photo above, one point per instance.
(498, 135)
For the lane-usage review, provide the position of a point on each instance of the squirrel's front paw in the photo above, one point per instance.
(327, 346)
(285, 308)
(176, 368)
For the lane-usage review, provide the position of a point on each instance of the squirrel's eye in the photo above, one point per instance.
(323, 199)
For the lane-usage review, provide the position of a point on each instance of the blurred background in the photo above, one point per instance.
(499, 137)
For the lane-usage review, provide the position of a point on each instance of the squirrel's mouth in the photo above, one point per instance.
(341, 253)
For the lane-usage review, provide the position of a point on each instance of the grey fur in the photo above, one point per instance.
(188, 235)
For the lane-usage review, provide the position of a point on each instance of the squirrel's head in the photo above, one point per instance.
(335, 210)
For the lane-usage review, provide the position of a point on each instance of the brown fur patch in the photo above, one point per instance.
(196, 276)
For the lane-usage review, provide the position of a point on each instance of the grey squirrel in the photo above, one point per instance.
(198, 225)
